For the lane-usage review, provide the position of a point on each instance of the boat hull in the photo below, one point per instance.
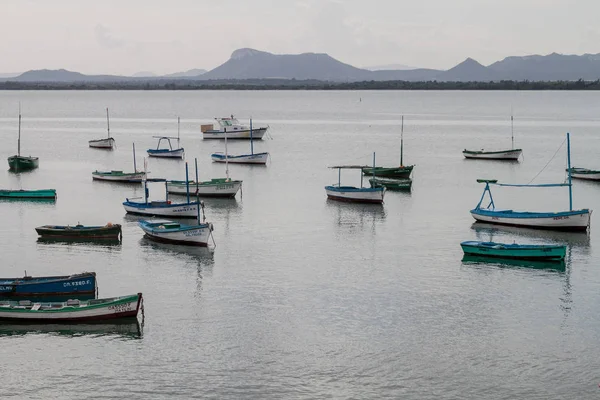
(187, 235)
(257, 158)
(212, 188)
(109, 232)
(165, 153)
(392, 184)
(241, 134)
(162, 209)
(20, 163)
(582, 173)
(94, 310)
(394, 172)
(510, 155)
(78, 284)
(523, 252)
(355, 195)
(568, 220)
(107, 143)
(28, 194)
(118, 176)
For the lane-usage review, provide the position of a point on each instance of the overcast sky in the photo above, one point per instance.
(128, 36)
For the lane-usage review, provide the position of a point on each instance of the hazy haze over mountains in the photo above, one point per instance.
(249, 63)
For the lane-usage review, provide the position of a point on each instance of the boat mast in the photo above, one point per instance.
(569, 172)
(19, 140)
(145, 181)
(401, 141)
(197, 194)
(187, 183)
(251, 144)
(512, 133)
(226, 156)
(373, 168)
(107, 123)
(134, 165)
(178, 133)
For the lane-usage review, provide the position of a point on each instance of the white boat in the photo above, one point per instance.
(120, 176)
(584, 173)
(507, 155)
(235, 130)
(106, 143)
(573, 220)
(217, 187)
(257, 158)
(354, 194)
(166, 231)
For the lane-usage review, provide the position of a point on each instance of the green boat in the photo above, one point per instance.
(515, 251)
(109, 231)
(559, 266)
(391, 184)
(402, 171)
(18, 162)
(47, 194)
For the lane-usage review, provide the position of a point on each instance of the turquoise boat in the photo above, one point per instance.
(515, 251)
(47, 194)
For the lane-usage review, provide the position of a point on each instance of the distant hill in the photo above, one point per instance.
(468, 70)
(186, 74)
(389, 67)
(552, 67)
(62, 75)
(144, 74)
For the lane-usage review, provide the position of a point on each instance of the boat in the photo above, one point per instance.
(351, 193)
(72, 310)
(45, 194)
(392, 184)
(109, 231)
(235, 130)
(584, 173)
(171, 232)
(161, 208)
(30, 286)
(18, 162)
(400, 172)
(572, 220)
(252, 158)
(170, 152)
(119, 175)
(106, 143)
(216, 187)
(509, 155)
(517, 251)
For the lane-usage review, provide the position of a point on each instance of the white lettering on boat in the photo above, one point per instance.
(77, 283)
(121, 307)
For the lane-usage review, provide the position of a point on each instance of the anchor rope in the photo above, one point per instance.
(549, 161)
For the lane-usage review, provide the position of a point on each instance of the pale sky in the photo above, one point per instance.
(128, 36)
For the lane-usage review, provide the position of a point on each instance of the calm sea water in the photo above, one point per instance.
(302, 297)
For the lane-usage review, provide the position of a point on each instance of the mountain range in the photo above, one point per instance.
(254, 64)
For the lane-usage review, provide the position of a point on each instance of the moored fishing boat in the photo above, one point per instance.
(18, 163)
(234, 129)
(517, 251)
(30, 286)
(252, 158)
(584, 173)
(508, 155)
(109, 231)
(47, 194)
(351, 193)
(120, 176)
(106, 143)
(392, 184)
(400, 172)
(563, 220)
(72, 310)
(216, 187)
(167, 152)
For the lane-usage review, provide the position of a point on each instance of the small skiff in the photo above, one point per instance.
(584, 173)
(77, 284)
(516, 251)
(109, 231)
(47, 194)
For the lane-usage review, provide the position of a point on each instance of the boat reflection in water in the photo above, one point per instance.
(127, 329)
(559, 266)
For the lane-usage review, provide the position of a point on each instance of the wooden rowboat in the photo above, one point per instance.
(48, 194)
(109, 231)
(584, 173)
(391, 184)
(517, 251)
(216, 187)
(72, 310)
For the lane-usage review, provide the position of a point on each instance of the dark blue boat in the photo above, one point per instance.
(28, 286)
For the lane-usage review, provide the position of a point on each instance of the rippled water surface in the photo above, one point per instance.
(302, 297)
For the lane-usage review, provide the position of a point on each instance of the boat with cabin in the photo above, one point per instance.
(400, 172)
(109, 231)
(234, 129)
(18, 163)
(31, 286)
(106, 143)
(516, 251)
(511, 154)
(42, 194)
(351, 193)
(73, 310)
(573, 220)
